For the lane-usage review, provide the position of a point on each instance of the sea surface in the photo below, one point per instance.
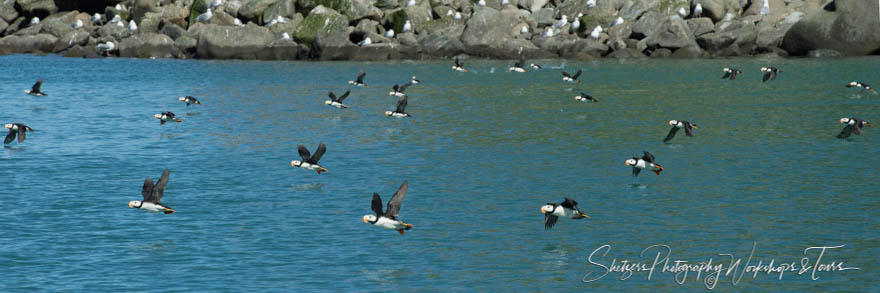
(482, 153)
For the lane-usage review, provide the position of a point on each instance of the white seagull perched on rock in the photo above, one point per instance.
(765, 8)
(410, 3)
(96, 18)
(116, 18)
(504, 2)
(576, 24)
(617, 21)
(682, 12)
(407, 26)
(481, 3)
(105, 48)
(457, 16)
(285, 36)
(698, 10)
(365, 42)
(237, 22)
(133, 27)
(561, 22)
(596, 33)
(77, 24)
(35, 20)
(549, 32)
(524, 29)
(389, 33)
(215, 3)
(205, 16)
(591, 3)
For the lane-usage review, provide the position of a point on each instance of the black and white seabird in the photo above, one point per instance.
(583, 97)
(861, 85)
(567, 209)
(458, 66)
(730, 73)
(400, 111)
(189, 100)
(853, 125)
(310, 161)
(519, 66)
(399, 90)
(388, 218)
(770, 72)
(337, 102)
(16, 129)
(153, 196)
(571, 78)
(678, 124)
(414, 80)
(360, 80)
(646, 162)
(166, 117)
(535, 66)
(35, 90)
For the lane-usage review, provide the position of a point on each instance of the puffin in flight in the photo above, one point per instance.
(360, 80)
(189, 100)
(309, 161)
(853, 125)
(646, 162)
(153, 196)
(519, 66)
(414, 80)
(678, 124)
(16, 129)
(399, 90)
(166, 117)
(571, 78)
(567, 209)
(400, 111)
(861, 85)
(388, 218)
(458, 66)
(35, 90)
(583, 97)
(535, 66)
(730, 73)
(337, 102)
(770, 72)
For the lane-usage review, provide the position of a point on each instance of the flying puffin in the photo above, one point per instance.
(337, 102)
(189, 100)
(166, 117)
(853, 125)
(676, 125)
(730, 73)
(399, 112)
(770, 72)
(35, 90)
(535, 66)
(388, 219)
(399, 90)
(519, 66)
(153, 196)
(646, 162)
(309, 161)
(569, 78)
(360, 80)
(458, 66)
(566, 209)
(16, 129)
(414, 80)
(583, 97)
(862, 86)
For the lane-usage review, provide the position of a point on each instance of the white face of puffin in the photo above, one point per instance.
(388, 113)
(369, 218)
(765, 69)
(631, 162)
(157, 116)
(181, 99)
(853, 83)
(351, 82)
(546, 209)
(842, 120)
(295, 163)
(673, 122)
(134, 203)
(7, 125)
(328, 102)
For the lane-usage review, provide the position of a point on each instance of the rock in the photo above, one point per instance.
(417, 15)
(849, 28)
(635, 9)
(320, 21)
(366, 26)
(141, 7)
(387, 4)
(534, 5)
(700, 26)
(444, 42)
(252, 10)
(40, 8)
(333, 46)
(739, 35)
(283, 50)
(584, 48)
(622, 31)
(616, 44)
(147, 45)
(543, 17)
(172, 30)
(626, 53)
(226, 42)
(712, 9)
(676, 35)
(8, 12)
(73, 38)
(82, 52)
(490, 33)
(408, 39)
(661, 53)
(820, 53)
(113, 31)
(111, 12)
(28, 44)
(287, 27)
(3, 26)
(777, 9)
(689, 52)
(29, 31)
(283, 8)
(651, 24)
(58, 25)
(197, 8)
(186, 45)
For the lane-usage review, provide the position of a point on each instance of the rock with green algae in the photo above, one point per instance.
(321, 20)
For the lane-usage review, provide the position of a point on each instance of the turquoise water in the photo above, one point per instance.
(483, 152)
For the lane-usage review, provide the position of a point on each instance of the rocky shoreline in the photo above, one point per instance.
(376, 30)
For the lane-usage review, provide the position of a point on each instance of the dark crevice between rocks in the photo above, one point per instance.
(356, 37)
(830, 6)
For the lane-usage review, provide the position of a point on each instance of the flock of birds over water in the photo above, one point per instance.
(387, 218)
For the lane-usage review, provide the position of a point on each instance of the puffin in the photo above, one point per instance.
(337, 102)
(458, 66)
(571, 78)
(153, 196)
(388, 218)
(166, 117)
(770, 73)
(861, 85)
(399, 112)
(360, 80)
(309, 161)
(35, 90)
(414, 80)
(646, 162)
(189, 100)
(678, 124)
(519, 66)
(567, 209)
(535, 66)
(853, 125)
(730, 73)
(16, 129)
(583, 97)
(399, 90)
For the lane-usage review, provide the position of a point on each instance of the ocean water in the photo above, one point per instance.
(484, 150)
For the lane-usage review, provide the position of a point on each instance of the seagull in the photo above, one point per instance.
(309, 161)
(765, 8)
(449, 12)
(504, 2)
(96, 18)
(166, 117)
(481, 3)
(35, 20)
(561, 22)
(215, 3)
(132, 26)
(400, 110)
(678, 124)
(549, 32)
(237, 22)
(617, 21)
(360, 80)
(411, 3)
(457, 16)
(118, 6)
(16, 129)
(853, 125)
(204, 17)
(571, 78)
(153, 196)
(116, 18)
(105, 48)
(591, 3)
(365, 42)
(698, 10)
(576, 24)
(389, 33)
(596, 33)
(682, 12)
(388, 218)
(337, 102)
(285, 36)
(566, 209)
(524, 29)
(407, 26)
(77, 24)
(646, 162)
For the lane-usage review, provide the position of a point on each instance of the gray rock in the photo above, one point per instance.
(534, 5)
(820, 53)
(283, 50)
(29, 31)
(334, 46)
(3, 26)
(73, 38)
(850, 29)
(141, 7)
(408, 39)
(366, 26)
(186, 45)
(59, 24)
(585, 47)
(741, 36)
(626, 53)
(676, 35)
(174, 31)
(253, 9)
(543, 17)
(713, 9)
(8, 12)
(444, 42)
(661, 53)
(225, 42)
(28, 44)
(283, 8)
(387, 4)
(491, 33)
(320, 21)
(82, 52)
(777, 9)
(635, 9)
(689, 52)
(649, 25)
(38, 7)
(622, 31)
(700, 26)
(113, 31)
(287, 27)
(147, 45)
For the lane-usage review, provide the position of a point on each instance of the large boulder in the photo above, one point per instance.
(283, 8)
(252, 10)
(232, 42)
(40, 8)
(736, 39)
(491, 33)
(147, 45)
(716, 9)
(649, 25)
(58, 24)
(676, 35)
(320, 21)
(113, 31)
(700, 26)
(8, 12)
(28, 44)
(585, 49)
(444, 42)
(333, 46)
(78, 37)
(141, 7)
(287, 27)
(283, 50)
(846, 26)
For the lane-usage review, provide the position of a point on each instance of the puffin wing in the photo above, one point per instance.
(377, 205)
(688, 128)
(36, 87)
(726, 75)
(159, 189)
(549, 220)
(147, 191)
(22, 130)
(343, 96)
(457, 63)
(733, 75)
(303, 152)
(671, 134)
(566, 74)
(360, 78)
(318, 153)
(332, 97)
(773, 74)
(648, 157)
(522, 61)
(401, 105)
(393, 208)
(404, 86)
(636, 171)
(846, 132)
(767, 75)
(569, 203)
(577, 74)
(10, 136)
(395, 88)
